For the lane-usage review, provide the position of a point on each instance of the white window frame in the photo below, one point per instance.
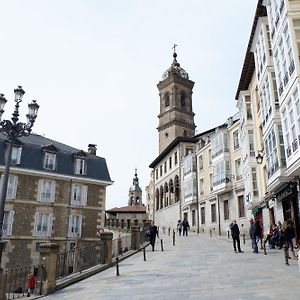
(75, 225)
(16, 155)
(7, 222)
(78, 194)
(46, 191)
(80, 166)
(43, 223)
(12, 186)
(49, 161)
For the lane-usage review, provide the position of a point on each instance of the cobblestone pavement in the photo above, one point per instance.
(197, 267)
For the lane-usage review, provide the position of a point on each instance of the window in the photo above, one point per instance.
(160, 170)
(193, 217)
(46, 190)
(16, 155)
(165, 167)
(201, 186)
(156, 173)
(75, 222)
(7, 222)
(167, 99)
(209, 156)
(182, 99)
(202, 215)
(213, 212)
(79, 194)
(241, 206)
(80, 166)
(175, 158)
(43, 224)
(200, 162)
(211, 182)
(238, 169)
(11, 186)
(170, 163)
(248, 107)
(49, 161)
(236, 140)
(219, 144)
(226, 210)
(254, 182)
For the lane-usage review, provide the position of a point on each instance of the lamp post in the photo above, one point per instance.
(13, 129)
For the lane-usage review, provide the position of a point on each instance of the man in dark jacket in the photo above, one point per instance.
(256, 235)
(235, 233)
(185, 227)
(153, 233)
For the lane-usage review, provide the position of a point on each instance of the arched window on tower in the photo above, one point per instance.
(171, 188)
(167, 99)
(182, 99)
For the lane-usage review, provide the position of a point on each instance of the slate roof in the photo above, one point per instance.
(32, 158)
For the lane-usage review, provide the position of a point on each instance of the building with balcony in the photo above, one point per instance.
(55, 193)
(269, 91)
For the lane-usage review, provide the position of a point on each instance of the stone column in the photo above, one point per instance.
(48, 258)
(135, 238)
(106, 247)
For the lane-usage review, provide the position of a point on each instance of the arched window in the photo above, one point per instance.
(171, 186)
(157, 199)
(161, 196)
(167, 99)
(182, 99)
(177, 188)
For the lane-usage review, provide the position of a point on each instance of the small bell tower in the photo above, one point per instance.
(135, 192)
(176, 116)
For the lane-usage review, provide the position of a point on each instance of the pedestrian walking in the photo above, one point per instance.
(31, 281)
(153, 232)
(179, 227)
(288, 235)
(235, 233)
(185, 226)
(256, 235)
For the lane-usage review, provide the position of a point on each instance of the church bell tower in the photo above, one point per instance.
(176, 117)
(135, 192)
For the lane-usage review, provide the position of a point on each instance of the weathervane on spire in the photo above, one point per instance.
(174, 47)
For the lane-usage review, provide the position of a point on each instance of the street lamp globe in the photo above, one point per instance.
(19, 93)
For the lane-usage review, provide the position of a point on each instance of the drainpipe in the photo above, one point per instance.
(219, 215)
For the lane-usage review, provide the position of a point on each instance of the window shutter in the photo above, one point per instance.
(70, 226)
(14, 187)
(40, 188)
(52, 191)
(36, 215)
(72, 193)
(84, 195)
(79, 225)
(50, 224)
(10, 222)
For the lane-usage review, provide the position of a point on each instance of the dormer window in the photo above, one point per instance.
(16, 155)
(50, 152)
(80, 167)
(49, 161)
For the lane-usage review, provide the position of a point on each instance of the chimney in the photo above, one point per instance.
(92, 149)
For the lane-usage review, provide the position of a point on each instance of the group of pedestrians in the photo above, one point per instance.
(281, 237)
(183, 227)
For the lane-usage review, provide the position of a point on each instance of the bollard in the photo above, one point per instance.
(144, 251)
(173, 237)
(265, 250)
(228, 234)
(244, 239)
(210, 233)
(161, 244)
(117, 266)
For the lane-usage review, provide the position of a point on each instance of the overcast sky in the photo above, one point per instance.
(93, 67)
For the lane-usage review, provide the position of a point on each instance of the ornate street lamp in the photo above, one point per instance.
(13, 130)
